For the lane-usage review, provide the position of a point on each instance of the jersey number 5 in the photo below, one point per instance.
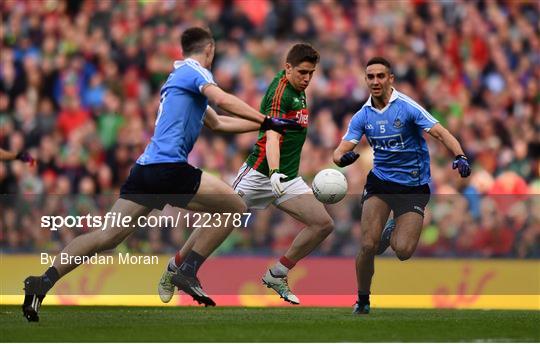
(383, 129)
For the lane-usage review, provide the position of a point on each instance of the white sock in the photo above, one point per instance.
(172, 265)
(279, 270)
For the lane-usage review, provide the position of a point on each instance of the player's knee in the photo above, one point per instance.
(325, 226)
(404, 252)
(369, 247)
(234, 205)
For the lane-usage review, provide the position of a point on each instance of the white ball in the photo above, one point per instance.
(329, 186)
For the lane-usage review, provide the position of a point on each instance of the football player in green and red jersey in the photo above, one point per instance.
(270, 175)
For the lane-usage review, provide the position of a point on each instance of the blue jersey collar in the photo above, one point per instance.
(179, 63)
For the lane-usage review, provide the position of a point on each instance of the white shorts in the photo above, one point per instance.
(256, 190)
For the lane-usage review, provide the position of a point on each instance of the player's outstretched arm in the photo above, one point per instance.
(232, 104)
(7, 155)
(239, 108)
(23, 156)
(344, 154)
(460, 162)
(226, 124)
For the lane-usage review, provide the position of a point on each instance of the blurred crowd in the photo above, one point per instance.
(80, 81)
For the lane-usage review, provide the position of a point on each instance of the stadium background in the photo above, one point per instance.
(79, 88)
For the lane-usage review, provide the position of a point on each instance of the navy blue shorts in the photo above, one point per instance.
(400, 198)
(156, 185)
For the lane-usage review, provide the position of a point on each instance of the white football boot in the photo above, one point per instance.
(281, 286)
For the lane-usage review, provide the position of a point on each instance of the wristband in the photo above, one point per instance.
(272, 171)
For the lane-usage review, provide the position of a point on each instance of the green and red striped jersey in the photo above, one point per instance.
(284, 101)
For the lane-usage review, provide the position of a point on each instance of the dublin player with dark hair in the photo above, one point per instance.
(162, 174)
(393, 124)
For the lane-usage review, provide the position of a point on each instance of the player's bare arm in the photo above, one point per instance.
(23, 156)
(227, 124)
(273, 156)
(443, 135)
(238, 107)
(232, 104)
(461, 162)
(7, 155)
(272, 150)
(344, 154)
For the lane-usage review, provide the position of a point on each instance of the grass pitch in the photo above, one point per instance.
(291, 324)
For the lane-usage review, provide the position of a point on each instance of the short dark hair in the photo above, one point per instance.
(380, 60)
(195, 39)
(302, 52)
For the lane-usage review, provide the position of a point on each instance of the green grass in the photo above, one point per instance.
(235, 324)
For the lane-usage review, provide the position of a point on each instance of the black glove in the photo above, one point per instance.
(348, 158)
(279, 124)
(25, 157)
(462, 164)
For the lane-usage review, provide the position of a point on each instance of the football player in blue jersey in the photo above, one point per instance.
(162, 174)
(393, 124)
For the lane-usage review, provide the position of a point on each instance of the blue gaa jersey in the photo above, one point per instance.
(180, 116)
(400, 152)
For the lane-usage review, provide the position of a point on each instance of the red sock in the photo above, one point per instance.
(178, 259)
(289, 264)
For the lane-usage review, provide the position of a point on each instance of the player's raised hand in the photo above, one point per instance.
(348, 158)
(462, 164)
(279, 124)
(275, 181)
(25, 157)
